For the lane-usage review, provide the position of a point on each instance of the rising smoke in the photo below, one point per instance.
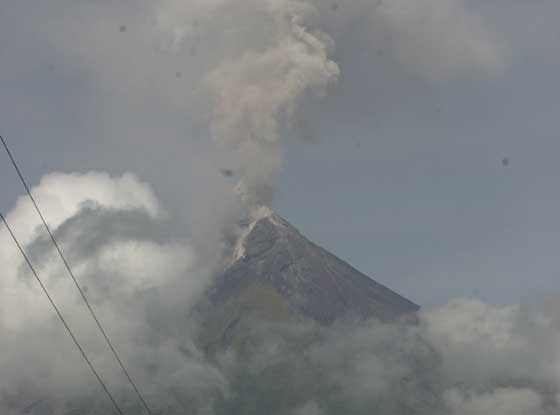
(251, 66)
(464, 358)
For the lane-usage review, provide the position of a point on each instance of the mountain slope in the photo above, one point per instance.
(278, 274)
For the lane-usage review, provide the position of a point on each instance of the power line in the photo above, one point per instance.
(60, 315)
(67, 266)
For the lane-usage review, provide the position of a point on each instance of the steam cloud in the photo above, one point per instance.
(465, 358)
(258, 63)
(254, 92)
(141, 284)
(244, 69)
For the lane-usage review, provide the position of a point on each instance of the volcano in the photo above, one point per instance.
(277, 274)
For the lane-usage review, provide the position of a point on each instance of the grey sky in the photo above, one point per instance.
(400, 173)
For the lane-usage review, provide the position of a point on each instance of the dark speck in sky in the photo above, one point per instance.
(505, 162)
(334, 7)
(178, 74)
(226, 172)
(122, 28)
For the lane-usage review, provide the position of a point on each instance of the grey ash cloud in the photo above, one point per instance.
(250, 73)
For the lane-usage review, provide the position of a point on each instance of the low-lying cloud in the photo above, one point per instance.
(141, 283)
(464, 358)
(246, 68)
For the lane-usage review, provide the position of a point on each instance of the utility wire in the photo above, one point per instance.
(71, 273)
(60, 315)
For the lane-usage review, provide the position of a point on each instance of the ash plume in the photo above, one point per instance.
(237, 75)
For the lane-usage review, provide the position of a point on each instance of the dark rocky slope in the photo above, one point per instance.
(278, 275)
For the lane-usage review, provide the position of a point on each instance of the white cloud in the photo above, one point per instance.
(479, 342)
(139, 282)
(61, 196)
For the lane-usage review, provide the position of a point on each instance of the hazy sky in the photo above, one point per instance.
(416, 139)
(397, 166)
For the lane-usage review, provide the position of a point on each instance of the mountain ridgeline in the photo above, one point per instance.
(286, 329)
(278, 275)
(293, 326)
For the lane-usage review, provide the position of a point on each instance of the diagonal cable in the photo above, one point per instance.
(60, 315)
(71, 273)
